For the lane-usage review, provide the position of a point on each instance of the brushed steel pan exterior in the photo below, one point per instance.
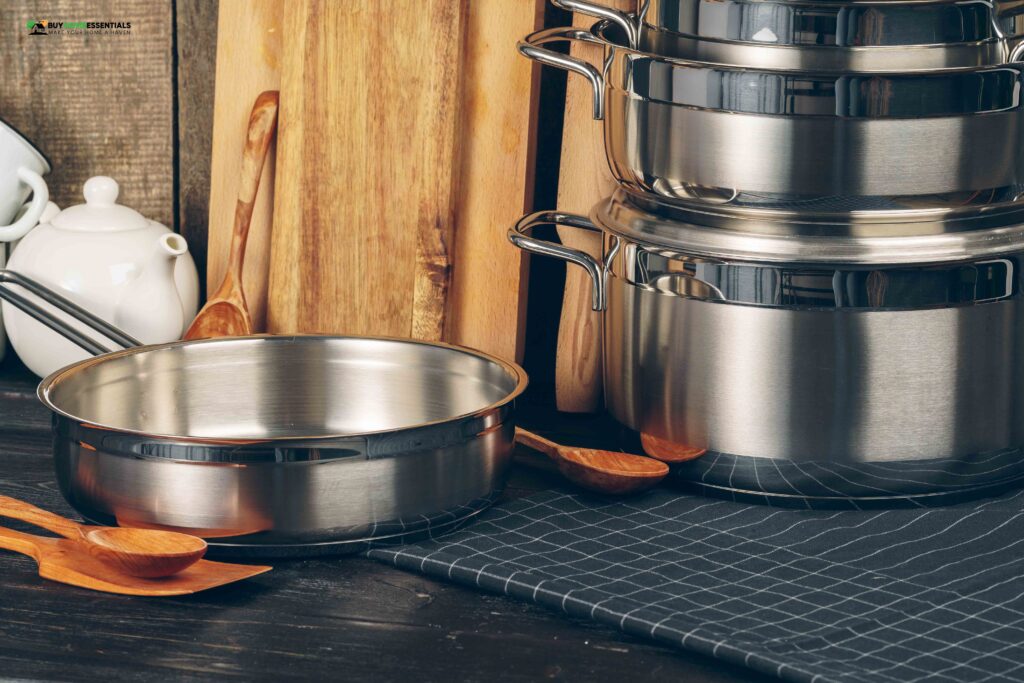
(285, 445)
(843, 35)
(815, 378)
(743, 139)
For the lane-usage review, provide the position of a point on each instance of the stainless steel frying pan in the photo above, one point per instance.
(276, 445)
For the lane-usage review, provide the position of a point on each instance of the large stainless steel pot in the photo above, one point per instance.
(281, 445)
(839, 35)
(754, 139)
(855, 368)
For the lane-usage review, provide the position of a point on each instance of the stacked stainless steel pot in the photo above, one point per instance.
(812, 265)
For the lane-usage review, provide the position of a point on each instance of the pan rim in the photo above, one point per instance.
(49, 383)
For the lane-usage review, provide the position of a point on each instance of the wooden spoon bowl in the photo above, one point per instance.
(144, 552)
(669, 451)
(598, 470)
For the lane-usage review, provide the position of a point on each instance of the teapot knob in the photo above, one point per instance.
(100, 191)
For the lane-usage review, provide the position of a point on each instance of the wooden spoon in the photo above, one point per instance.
(669, 451)
(135, 552)
(225, 313)
(596, 470)
(64, 560)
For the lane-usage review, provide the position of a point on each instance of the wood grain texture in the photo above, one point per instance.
(248, 62)
(136, 552)
(371, 621)
(95, 104)
(196, 43)
(584, 179)
(499, 107)
(366, 168)
(599, 470)
(65, 561)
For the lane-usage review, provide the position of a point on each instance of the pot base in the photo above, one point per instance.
(858, 486)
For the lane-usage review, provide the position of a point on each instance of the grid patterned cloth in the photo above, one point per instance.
(807, 595)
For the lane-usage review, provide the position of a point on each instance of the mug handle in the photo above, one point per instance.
(40, 196)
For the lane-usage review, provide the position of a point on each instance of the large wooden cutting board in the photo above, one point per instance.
(367, 167)
(499, 110)
(248, 62)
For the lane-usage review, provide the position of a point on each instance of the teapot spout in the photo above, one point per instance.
(150, 308)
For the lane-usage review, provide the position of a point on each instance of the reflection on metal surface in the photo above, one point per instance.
(822, 483)
(324, 443)
(842, 371)
(724, 136)
(839, 36)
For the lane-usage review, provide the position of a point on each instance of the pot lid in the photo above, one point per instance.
(101, 212)
(977, 235)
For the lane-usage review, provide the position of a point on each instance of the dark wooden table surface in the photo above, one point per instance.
(339, 619)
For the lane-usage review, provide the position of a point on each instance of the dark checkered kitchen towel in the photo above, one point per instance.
(807, 595)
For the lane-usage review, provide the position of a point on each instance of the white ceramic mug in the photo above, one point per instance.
(21, 173)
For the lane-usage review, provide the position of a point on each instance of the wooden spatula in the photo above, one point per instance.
(63, 560)
(225, 313)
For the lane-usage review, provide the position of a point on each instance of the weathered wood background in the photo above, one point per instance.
(138, 108)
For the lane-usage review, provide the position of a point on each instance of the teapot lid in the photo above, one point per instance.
(101, 212)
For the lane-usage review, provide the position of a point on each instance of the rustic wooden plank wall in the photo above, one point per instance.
(136, 107)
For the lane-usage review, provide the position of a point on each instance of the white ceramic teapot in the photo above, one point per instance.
(112, 261)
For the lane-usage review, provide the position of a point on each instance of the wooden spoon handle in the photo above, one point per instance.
(262, 124)
(537, 442)
(19, 542)
(19, 509)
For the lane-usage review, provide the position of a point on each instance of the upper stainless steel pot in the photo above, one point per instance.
(700, 134)
(814, 367)
(840, 35)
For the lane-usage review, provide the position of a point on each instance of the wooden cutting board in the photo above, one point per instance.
(367, 167)
(583, 179)
(488, 292)
(248, 62)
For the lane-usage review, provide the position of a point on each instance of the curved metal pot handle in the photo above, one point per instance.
(628, 24)
(1017, 53)
(530, 47)
(519, 235)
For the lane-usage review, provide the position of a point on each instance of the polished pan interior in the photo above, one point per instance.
(284, 443)
(278, 388)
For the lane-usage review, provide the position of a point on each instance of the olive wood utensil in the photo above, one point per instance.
(669, 451)
(225, 313)
(65, 561)
(597, 470)
(249, 41)
(73, 560)
(137, 552)
(583, 179)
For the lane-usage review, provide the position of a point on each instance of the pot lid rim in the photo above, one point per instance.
(618, 216)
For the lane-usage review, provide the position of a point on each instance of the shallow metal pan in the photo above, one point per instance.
(281, 445)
